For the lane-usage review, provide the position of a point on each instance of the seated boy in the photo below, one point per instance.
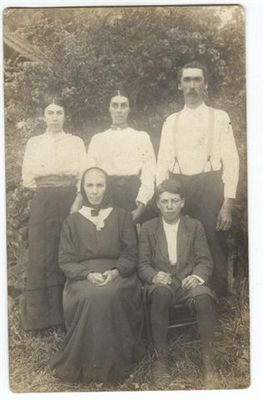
(175, 265)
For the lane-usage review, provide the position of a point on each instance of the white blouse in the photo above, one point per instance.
(48, 154)
(125, 152)
(186, 133)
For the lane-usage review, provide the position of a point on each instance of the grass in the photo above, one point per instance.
(29, 355)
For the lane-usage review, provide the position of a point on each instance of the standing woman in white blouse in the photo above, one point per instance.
(52, 167)
(127, 156)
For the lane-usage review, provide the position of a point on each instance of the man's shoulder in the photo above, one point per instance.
(221, 114)
(171, 118)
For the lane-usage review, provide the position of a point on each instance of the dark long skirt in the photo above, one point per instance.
(103, 330)
(124, 191)
(41, 301)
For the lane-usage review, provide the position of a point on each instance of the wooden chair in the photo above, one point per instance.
(180, 316)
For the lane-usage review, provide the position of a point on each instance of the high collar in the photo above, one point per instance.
(55, 135)
(201, 108)
(119, 127)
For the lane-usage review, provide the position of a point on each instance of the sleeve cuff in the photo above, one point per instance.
(143, 197)
(201, 281)
(229, 192)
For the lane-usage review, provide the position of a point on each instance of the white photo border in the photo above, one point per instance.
(254, 15)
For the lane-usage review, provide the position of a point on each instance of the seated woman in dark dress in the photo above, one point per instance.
(102, 296)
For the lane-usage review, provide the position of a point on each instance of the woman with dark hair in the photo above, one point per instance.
(102, 295)
(127, 156)
(52, 167)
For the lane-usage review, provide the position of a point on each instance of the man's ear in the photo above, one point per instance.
(179, 86)
(183, 203)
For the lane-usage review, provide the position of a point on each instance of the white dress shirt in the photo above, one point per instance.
(61, 154)
(125, 152)
(185, 136)
(171, 233)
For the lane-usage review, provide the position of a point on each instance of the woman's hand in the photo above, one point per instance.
(77, 204)
(95, 278)
(136, 214)
(109, 276)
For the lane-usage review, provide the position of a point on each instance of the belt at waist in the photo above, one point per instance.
(205, 173)
(55, 181)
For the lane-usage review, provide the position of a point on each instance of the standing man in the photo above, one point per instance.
(198, 148)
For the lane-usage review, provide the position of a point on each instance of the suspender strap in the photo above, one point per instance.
(211, 125)
(210, 130)
(175, 143)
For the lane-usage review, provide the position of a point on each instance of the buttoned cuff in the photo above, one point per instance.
(144, 195)
(229, 192)
(201, 281)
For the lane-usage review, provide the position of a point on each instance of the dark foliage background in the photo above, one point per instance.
(88, 52)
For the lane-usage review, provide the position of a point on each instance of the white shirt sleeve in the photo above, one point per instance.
(81, 151)
(201, 281)
(91, 158)
(166, 151)
(229, 157)
(27, 175)
(148, 171)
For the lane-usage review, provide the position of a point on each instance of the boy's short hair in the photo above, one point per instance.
(171, 186)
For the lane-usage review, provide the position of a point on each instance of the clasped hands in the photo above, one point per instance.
(102, 279)
(165, 278)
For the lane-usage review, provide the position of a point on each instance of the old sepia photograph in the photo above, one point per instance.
(126, 198)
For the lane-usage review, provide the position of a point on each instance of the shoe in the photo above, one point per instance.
(211, 380)
(160, 372)
(211, 377)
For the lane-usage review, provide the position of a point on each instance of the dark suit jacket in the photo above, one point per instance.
(193, 255)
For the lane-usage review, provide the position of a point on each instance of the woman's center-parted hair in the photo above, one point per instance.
(107, 199)
(53, 99)
(121, 93)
